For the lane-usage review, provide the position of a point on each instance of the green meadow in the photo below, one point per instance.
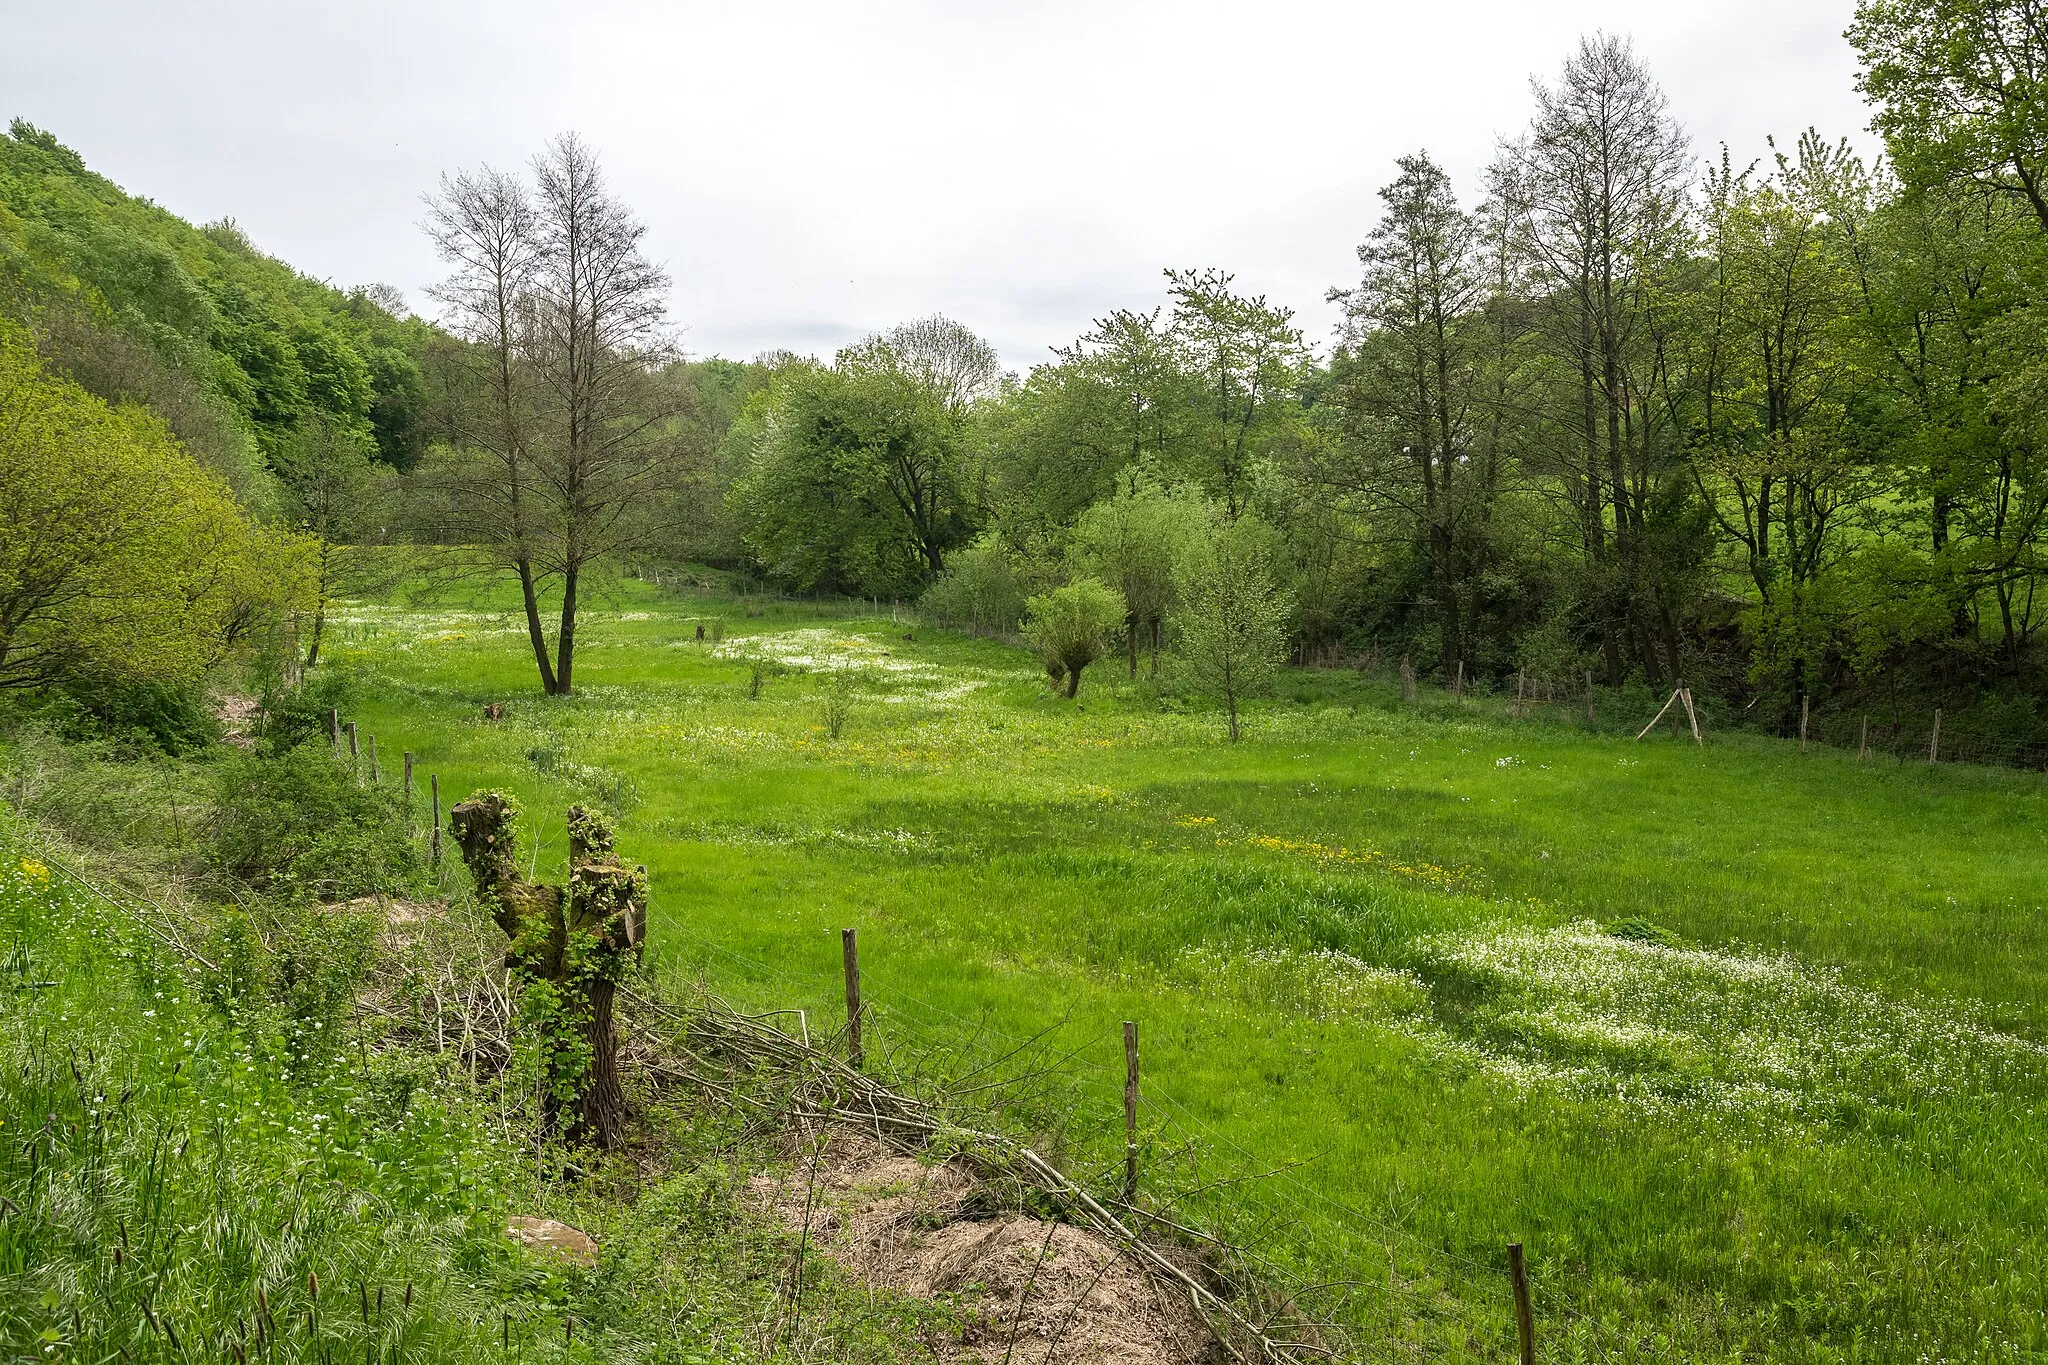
(1745, 1046)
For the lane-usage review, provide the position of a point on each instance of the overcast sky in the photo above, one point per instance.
(810, 172)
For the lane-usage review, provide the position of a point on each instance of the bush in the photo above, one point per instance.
(1070, 627)
(299, 824)
(978, 593)
(174, 717)
(297, 715)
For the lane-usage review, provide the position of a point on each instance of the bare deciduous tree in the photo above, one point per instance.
(563, 454)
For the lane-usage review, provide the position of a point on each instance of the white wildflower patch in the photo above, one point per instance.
(1679, 1028)
(821, 650)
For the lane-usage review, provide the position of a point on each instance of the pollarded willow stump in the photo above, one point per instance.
(568, 947)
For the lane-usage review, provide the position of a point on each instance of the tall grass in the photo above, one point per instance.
(208, 1161)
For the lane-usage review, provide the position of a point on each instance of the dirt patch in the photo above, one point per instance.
(237, 715)
(1032, 1291)
(552, 1238)
(391, 911)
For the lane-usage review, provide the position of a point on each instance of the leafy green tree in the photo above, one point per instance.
(118, 553)
(1411, 323)
(860, 479)
(1594, 195)
(1775, 461)
(1961, 89)
(1247, 360)
(1132, 541)
(1230, 627)
(332, 496)
(1070, 628)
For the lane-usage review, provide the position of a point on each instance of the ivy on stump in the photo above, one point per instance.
(569, 948)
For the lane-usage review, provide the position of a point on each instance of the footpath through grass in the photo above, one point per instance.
(1745, 1046)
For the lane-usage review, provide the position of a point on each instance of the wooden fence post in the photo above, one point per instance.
(1694, 716)
(1130, 1110)
(849, 952)
(408, 780)
(1525, 1321)
(1804, 703)
(1521, 688)
(334, 729)
(435, 840)
(376, 773)
(1934, 740)
(1407, 680)
(1863, 740)
(1458, 687)
(355, 750)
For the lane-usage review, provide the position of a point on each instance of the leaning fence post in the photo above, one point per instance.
(849, 952)
(1525, 1322)
(435, 841)
(1130, 1110)
(1863, 740)
(1934, 740)
(355, 748)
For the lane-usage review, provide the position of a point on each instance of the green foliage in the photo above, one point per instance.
(297, 822)
(979, 591)
(1070, 627)
(221, 1166)
(1230, 629)
(858, 478)
(119, 556)
(292, 716)
(174, 718)
(269, 346)
(1132, 540)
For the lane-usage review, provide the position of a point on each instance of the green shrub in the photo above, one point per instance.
(1071, 627)
(978, 592)
(299, 824)
(294, 715)
(173, 717)
(1638, 930)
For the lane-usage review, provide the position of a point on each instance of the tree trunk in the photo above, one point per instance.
(534, 634)
(319, 624)
(565, 637)
(579, 941)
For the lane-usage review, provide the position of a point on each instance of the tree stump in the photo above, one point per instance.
(568, 947)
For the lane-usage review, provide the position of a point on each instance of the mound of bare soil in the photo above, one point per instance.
(1034, 1293)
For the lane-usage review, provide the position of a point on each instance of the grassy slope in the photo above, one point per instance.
(1736, 1149)
(189, 1171)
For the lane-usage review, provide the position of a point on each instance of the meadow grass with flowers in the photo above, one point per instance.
(1748, 1047)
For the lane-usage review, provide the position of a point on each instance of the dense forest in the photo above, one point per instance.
(1630, 413)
